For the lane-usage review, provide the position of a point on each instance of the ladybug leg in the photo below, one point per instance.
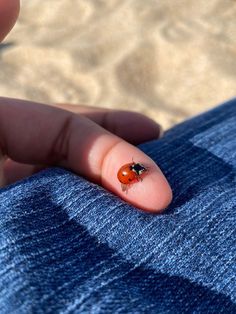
(138, 178)
(124, 187)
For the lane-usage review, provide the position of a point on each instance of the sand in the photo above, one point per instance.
(167, 59)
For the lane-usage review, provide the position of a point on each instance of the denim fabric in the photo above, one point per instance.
(69, 246)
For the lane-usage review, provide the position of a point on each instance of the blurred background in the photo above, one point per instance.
(167, 59)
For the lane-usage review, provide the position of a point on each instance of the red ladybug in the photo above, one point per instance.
(130, 173)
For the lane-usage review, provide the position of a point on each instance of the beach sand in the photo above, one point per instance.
(167, 59)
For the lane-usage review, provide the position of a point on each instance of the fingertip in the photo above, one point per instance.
(153, 194)
(162, 198)
(9, 11)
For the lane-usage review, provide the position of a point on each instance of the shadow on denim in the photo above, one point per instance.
(55, 265)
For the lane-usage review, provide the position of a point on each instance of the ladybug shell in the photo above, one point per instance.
(126, 175)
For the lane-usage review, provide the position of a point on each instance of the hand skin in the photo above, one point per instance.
(91, 142)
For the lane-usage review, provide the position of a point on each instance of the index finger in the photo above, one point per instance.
(40, 134)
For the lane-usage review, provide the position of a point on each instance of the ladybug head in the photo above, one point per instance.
(138, 168)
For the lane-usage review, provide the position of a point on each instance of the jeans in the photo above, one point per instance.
(69, 246)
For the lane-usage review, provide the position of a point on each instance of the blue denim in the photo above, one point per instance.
(69, 246)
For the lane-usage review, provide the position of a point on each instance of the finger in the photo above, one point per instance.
(133, 127)
(115, 121)
(39, 134)
(9, 11)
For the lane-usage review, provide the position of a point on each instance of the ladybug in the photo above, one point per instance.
(130, 173)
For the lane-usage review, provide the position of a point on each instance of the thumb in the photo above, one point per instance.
(9, 11)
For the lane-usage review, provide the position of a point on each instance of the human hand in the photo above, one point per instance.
(92, 142)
